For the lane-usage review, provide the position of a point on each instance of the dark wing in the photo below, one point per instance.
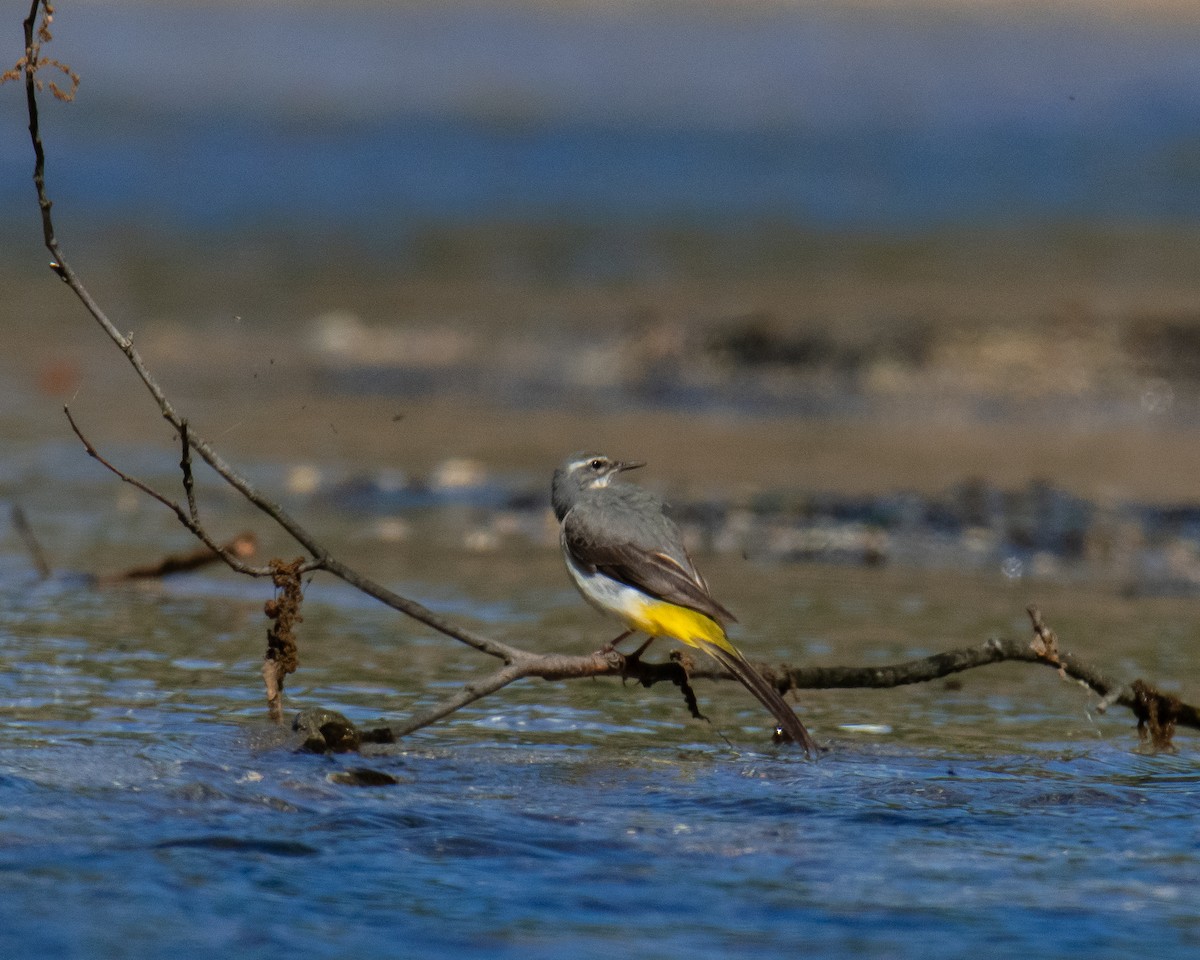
(638, 546)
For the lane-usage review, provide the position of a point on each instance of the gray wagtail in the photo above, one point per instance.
(628, 560)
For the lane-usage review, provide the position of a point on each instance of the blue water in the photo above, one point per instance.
(132, 847)
(391, 119)
(147, 810)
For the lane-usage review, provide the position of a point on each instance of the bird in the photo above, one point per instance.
(627, 558)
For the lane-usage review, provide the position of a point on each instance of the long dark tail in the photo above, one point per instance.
(766, 694)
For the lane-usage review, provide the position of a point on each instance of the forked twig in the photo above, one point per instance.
(231, 557)
(320, 557)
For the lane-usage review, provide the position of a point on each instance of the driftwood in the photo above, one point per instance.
(1157, 713)
(244, 545)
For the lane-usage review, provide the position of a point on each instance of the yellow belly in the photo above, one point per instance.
(661, 619)
(647, 614)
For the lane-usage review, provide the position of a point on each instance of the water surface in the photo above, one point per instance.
(150, 810)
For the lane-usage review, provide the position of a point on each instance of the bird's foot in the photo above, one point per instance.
(612, 644)
(637, 654)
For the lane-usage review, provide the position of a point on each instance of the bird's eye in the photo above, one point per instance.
(596, 464)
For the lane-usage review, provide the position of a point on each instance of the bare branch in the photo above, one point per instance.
(322, 559)
(1157, 713)
(507, 674)
(553, 667)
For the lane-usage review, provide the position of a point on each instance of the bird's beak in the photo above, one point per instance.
(623, 465)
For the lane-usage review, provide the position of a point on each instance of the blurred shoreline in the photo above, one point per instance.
(860, 251)
(852, 365)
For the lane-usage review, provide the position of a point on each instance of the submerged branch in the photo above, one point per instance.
(36, 554)
(1157, 713)
(243, 546)
(556, 667)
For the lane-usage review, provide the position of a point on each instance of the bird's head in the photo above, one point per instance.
(581, 472)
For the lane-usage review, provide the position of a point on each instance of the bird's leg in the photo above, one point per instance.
(637, 654)
(635, 657)
(612, 644)
(629, 657)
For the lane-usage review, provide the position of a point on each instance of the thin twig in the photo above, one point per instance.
(554, 667)
(185, 466)
(995, 650)
(1045, 640)
(230, 557)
